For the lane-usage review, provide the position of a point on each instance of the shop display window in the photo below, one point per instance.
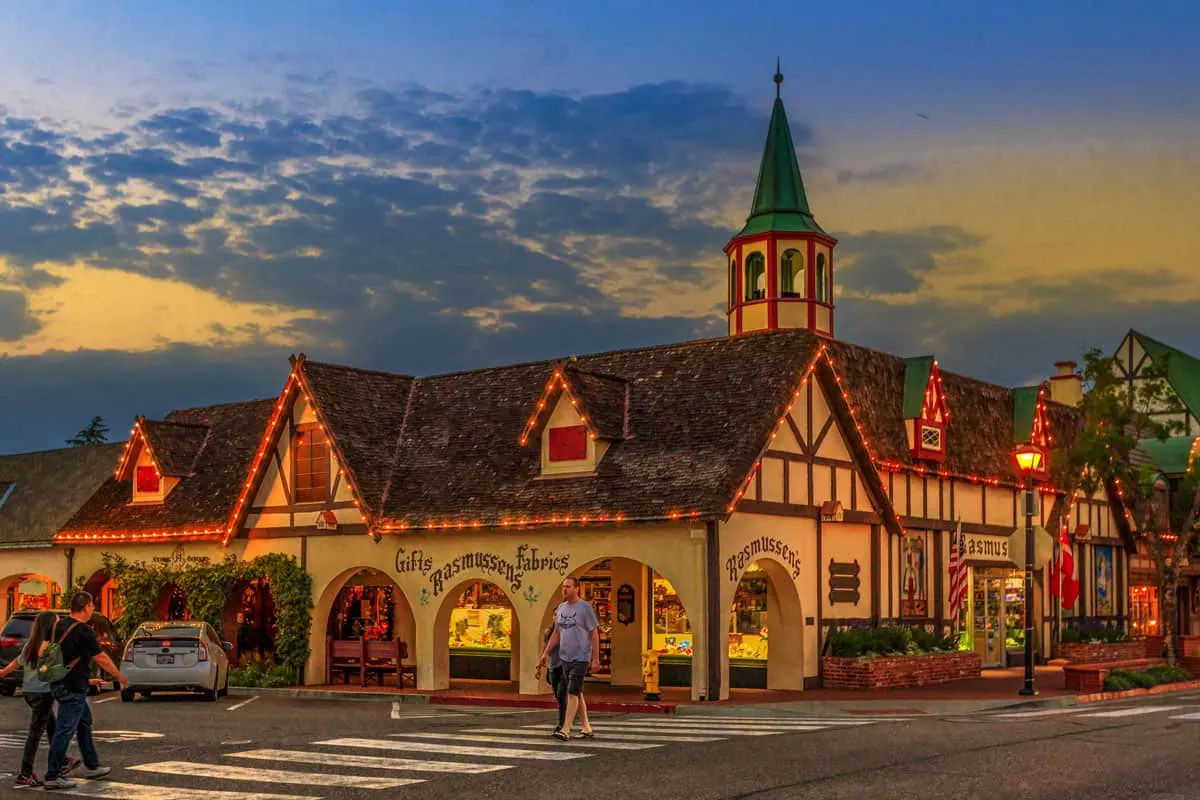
(748, 617)
(363, 611)
(672, 630)
(482, 619)
(595, 587)
(1143, 610)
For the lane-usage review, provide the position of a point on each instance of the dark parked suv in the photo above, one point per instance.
(16, 633)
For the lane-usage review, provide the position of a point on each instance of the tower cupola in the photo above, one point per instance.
(780, 264)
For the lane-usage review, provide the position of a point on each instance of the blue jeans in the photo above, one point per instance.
(74, 716)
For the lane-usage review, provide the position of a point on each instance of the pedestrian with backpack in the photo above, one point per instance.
(37, 696)
(65, 662)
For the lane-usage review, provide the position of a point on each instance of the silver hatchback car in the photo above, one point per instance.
(175, 657)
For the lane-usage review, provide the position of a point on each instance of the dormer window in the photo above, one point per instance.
(311, 465)
(756, 276)
(925, 413)
(791, 274)
(148, 480)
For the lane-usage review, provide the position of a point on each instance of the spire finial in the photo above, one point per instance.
(778, 78)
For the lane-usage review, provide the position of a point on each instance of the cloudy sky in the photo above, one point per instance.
(190, 192)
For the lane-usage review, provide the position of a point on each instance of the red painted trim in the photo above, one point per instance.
(800, 235)
(772, 283)
(829, 266)
(810, 278)
(739, 295)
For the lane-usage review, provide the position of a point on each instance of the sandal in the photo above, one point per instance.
(561, 736)
(585, 735)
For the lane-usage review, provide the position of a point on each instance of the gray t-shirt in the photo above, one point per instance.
(31, 683)
(575, 623)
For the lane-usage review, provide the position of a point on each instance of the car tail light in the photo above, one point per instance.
(203, 653)
(128, 655)
(9, 641)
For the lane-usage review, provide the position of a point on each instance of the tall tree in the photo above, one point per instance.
(1164, 510)
(95, 432)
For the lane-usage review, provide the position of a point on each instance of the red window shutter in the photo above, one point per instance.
(147, 480)
(568, 444)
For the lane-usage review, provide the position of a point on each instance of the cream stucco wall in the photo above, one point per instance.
(17, 565)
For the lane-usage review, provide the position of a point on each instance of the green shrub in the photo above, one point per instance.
(1120, 680)
(260, 673)
(891, 640)
(1078, 635)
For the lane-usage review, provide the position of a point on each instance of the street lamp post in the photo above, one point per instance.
(1029, 459)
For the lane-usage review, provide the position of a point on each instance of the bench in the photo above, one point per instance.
(1089, 678)
(387, 656)
(345, 656)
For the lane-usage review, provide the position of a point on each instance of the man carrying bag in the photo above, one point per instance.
(65, 662)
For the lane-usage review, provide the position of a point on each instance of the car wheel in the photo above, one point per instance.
(116, 686)
(225, 689)
(210, 695)
(8, 689)
(127, 695)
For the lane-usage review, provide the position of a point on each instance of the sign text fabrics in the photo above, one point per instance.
(504, 570)
(736, 564)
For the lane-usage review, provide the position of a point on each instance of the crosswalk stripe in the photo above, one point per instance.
(770, 719)
(1131, 712)
(725, 726)
(1048, 712)
(1193, 715)
(368, 762)
(194, 769)
(454, 749)
(474, 737)
(132, 791)
(629, 727)
(687, 738)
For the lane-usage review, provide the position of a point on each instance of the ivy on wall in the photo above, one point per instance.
(208, 589)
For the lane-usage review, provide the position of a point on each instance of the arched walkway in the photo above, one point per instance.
(171, 604)
(639, 609)
(766, 631)
(29, 590)
(360, 603)
(249, 621)
(103, 588)
(477, 633)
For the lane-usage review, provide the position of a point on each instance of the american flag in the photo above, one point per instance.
(958, 571)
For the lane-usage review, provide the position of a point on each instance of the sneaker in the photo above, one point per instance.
(30, 781)
(59, 783)
(96, 772)
(72, 765)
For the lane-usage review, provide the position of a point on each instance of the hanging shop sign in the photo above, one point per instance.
(736, 564)
(844, 582)
(506, 570)
(625, 604)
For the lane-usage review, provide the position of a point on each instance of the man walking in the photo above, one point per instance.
(577, 637)
(79, 647)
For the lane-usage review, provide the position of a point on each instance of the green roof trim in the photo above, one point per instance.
(1183, 370)
(1025, 401)
(1172, 455)
(780, 203)
(916, 381)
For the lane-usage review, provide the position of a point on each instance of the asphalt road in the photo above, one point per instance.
(284, 749)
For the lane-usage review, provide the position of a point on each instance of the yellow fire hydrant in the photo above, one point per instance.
(650, 675)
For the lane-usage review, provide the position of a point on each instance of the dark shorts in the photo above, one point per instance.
(575, 672)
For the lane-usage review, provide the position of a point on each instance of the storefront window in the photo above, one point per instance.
(672, 630)
(363, 610)
(482, 619)
(595, 587)
(1014, 612)
(1143, 610)
(748, 617)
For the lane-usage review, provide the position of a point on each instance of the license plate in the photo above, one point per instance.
(166, 659)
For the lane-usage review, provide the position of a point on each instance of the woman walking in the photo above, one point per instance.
(558, 681)
(38, 698)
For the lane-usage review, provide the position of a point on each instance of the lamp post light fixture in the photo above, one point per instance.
(1029, 460)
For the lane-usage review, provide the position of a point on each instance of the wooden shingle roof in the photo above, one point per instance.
(202, 501)
(175, 445)
(41, 491)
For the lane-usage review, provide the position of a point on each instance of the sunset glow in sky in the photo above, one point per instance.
(191, 192)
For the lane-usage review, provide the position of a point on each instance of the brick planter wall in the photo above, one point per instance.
(894, 672)
(1084, 653)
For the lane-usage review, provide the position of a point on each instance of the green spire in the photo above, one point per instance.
(779, 200)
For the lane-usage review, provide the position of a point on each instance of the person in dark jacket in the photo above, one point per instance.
(558, 681)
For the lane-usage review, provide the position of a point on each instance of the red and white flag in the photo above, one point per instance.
(958, 571)
(1065, 585)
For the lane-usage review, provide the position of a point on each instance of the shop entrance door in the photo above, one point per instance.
(988, 617)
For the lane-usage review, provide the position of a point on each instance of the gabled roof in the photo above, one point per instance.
(1173, 455)
(200, 504)
(1183, 370)
(40, 491)
(780, 202)
(604, 400)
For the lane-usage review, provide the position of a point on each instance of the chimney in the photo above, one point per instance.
(1067, 386)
